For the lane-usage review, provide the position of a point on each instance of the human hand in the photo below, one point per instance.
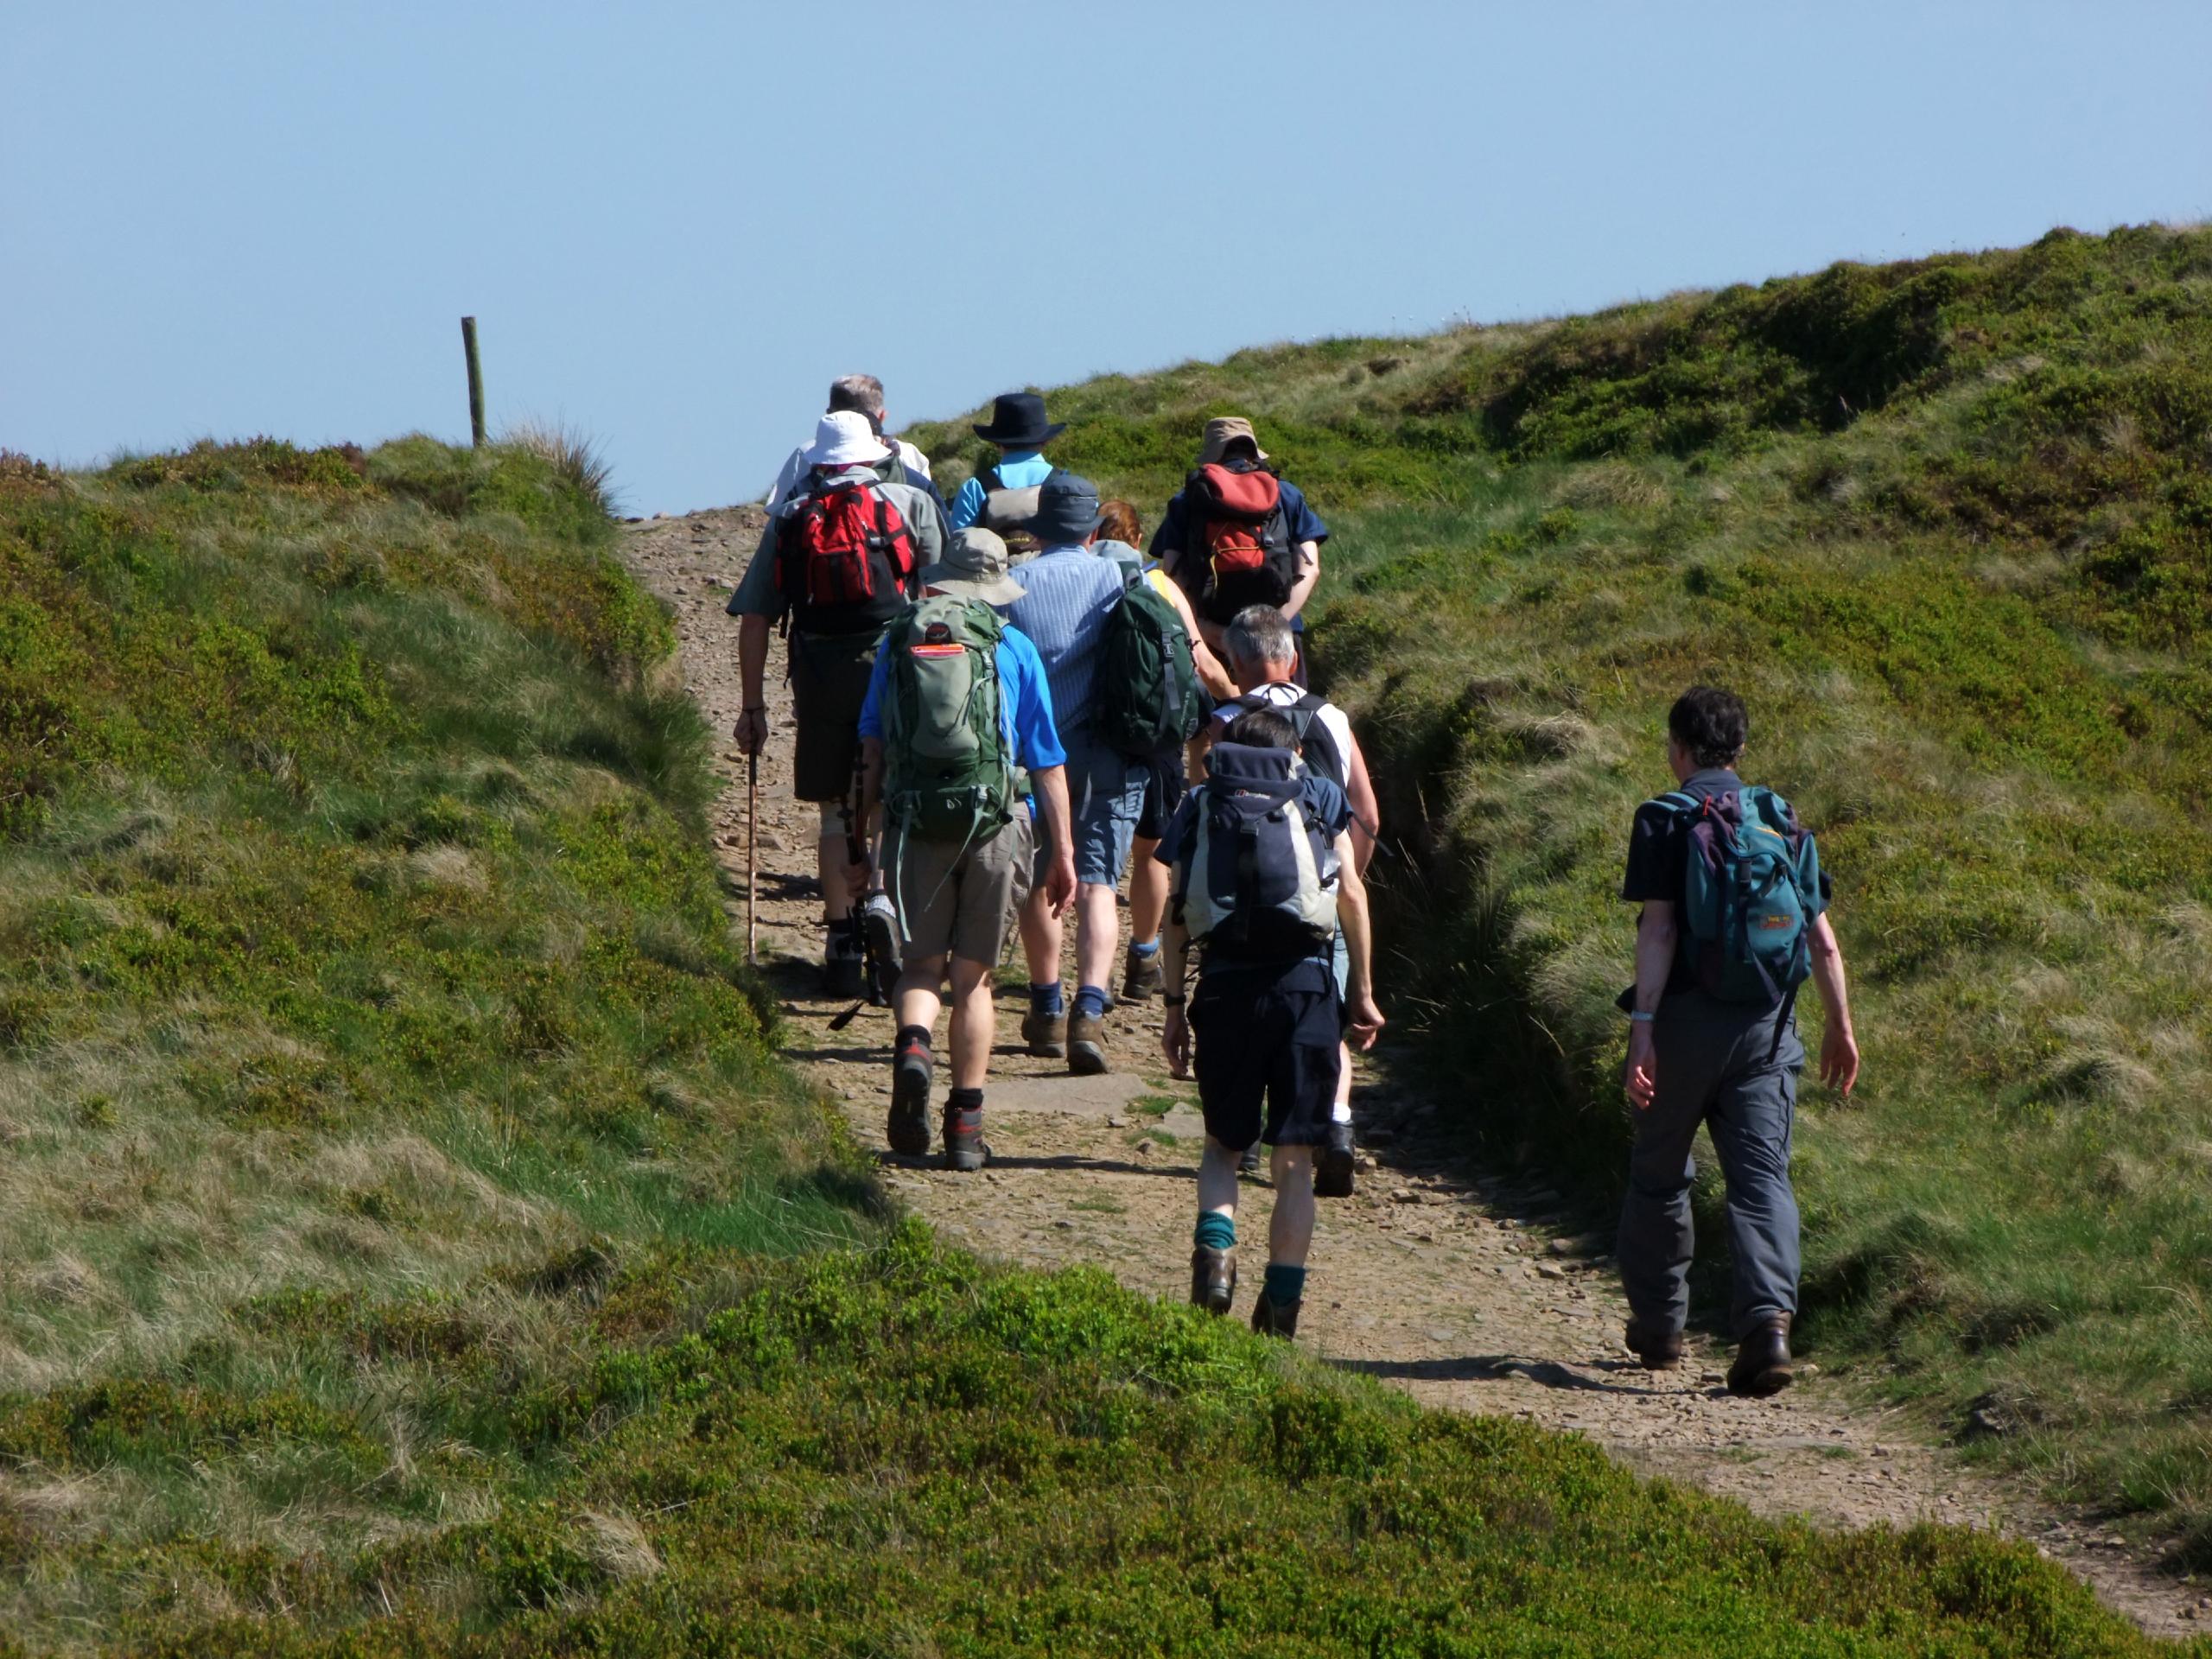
(1365, 1022)
(859, 873)
(1060, 882)
(1641, 1079)
(1838, 1056)
(750, 731)
(1175, 1043)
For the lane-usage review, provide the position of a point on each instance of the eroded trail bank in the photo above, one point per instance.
(1470, 1291)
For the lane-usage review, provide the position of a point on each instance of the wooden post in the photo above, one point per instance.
(475, 382)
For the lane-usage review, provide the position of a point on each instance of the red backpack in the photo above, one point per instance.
(844, 559)
(1239, 541)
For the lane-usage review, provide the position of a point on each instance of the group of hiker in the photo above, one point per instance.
(1007, 703)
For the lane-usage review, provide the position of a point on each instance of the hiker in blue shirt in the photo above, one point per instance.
(1712, 1041)
(950, 902)
(1002, 496)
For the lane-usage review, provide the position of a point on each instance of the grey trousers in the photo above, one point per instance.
(1718, 1064)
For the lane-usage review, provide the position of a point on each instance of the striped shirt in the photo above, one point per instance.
(1070, 594)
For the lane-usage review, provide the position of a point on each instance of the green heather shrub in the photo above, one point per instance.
(1946, 525)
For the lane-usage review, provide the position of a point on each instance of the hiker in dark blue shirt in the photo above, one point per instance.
(1263, 889)
(1711, 1039)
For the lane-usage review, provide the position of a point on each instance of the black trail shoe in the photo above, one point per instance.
(964, 1147)
(1333, 1164)
(908, 1127)
(844, 970)
(1763, 1365)
(1270, 1320)
(1655, 1351)
(879, 926)
(1247, 1161)
(1213, 1278)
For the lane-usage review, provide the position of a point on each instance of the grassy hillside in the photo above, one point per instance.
(409, 1245)
(1947, 526)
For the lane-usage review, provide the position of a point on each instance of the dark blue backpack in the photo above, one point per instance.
(1749, 893)
(1259, 876)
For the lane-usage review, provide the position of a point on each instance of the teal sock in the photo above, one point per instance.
(1283, 1285)
(1217, 1231)
(1145, 948)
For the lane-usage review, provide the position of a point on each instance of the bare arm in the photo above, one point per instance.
(1359, 790)
(1174, 966)
(1309, 577)
(752, 728)
(1839, 1042)
(1364, 1019)
(1656, 933)
(1049, 786)
(1212, 675)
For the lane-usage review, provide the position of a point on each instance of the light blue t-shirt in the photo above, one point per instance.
(1018, 470)
(1025, 703)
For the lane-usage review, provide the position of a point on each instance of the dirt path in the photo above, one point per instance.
(1467, 1291)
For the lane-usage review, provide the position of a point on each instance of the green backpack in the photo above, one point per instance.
(1149, 696)
(948, 775)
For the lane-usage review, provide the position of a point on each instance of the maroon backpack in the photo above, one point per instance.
(845, 560)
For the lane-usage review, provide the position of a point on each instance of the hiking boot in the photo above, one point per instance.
(1270, 1320)
(1332, 1164)
(1213, 1278)
(1086, 1044)
(1247, 1161)
(1046, 1034)
(879, 926)
(908, 1127)
(843, 968)
(1142, 977)
(964, 1147)
(1655, 1350)
(1763, 1365)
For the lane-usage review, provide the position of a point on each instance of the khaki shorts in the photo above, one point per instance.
(830, 676)
(951, 900)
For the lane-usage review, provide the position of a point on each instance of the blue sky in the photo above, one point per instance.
(676, 224)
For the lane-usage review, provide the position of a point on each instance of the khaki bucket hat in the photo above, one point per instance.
(1221, 432)
(975, 567)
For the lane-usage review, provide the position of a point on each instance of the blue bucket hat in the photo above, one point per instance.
(1067, 510)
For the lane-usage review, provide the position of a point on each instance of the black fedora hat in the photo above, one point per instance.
(1018, 422)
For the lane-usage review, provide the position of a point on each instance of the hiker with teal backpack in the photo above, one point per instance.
(1264, 877)
(958, 706)
(1734, 922)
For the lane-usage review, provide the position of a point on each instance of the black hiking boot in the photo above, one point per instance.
(964, 1147)
(1247, 1161)
(880, 953)
(1142, 977)
(1087, 1045)
(1763, 1365)
(1270, 1320)
(843, 967)
(908, 1127)
(1655, 1350)
(1213, 1278)
(1046, 1035)
(1333, 1175)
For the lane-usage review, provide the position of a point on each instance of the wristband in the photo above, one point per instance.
(1639, 1017)
(1175, 1001)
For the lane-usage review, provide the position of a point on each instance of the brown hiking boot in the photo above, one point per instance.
(907, 1129)
(1272, 1321)
(1763, 1364)
(1142, 977)
(1046, 1034)
(1213, 1278)
(964, 1147)
(1655, 1350)
(1086, 1044)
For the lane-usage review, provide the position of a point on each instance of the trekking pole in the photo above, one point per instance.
(752, 858)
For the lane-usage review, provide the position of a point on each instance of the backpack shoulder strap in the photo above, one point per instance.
(1677, 800)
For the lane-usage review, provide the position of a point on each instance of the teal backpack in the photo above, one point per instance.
(1148, 697)
(948, 775)
(1751, 891)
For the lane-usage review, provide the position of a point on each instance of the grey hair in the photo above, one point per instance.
(1261, 633)
(863, 393)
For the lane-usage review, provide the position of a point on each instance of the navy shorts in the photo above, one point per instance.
(1267, 1034)
(1164, 790)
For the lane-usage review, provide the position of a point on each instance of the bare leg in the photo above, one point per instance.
(830, 864)
(1217, 1181)
(1148, 892)
(1290, 1231)
(1341, 1112)
(914, 999)
(1097, 932)
(1041, 939)
(973, 1021)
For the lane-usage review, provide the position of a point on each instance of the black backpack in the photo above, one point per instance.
(1314, 739)
(1236, 546)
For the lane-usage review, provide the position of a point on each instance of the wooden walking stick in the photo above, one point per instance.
(751, 858)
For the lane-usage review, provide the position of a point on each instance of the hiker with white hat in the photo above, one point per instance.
(957, 706)
(862, 394)
(1237, 534)
(841, 558)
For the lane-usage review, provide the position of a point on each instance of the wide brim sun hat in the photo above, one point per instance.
(1018, 422)
(1224, 431)
(844, 438)
(975, 567)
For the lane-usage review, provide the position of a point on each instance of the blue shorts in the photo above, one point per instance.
(1105, 795)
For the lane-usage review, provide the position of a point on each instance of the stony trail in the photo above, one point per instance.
(1471, 1291)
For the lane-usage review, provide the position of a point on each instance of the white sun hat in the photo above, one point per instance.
(845, 439)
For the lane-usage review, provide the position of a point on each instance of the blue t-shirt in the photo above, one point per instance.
(1305, 524)
(1018, 470)
(1025, 703)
